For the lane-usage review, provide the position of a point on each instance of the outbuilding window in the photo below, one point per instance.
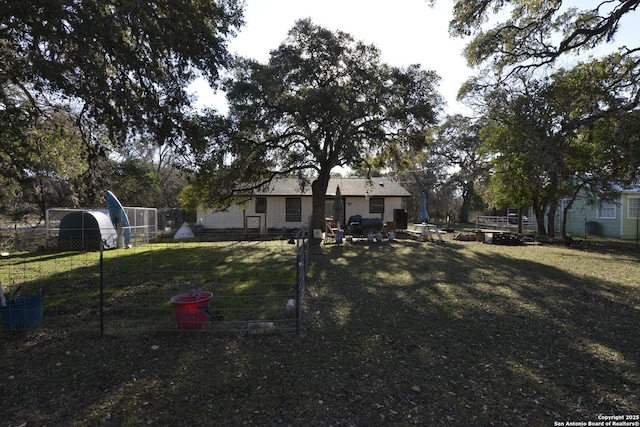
(261, 204)
(376, 205)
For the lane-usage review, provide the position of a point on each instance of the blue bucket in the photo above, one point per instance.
(23, 312)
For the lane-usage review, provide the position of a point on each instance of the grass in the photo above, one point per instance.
(401, 333)
(250, 280)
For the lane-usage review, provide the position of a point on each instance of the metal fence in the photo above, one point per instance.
(143, 227)
(303, 259)
(504, 222)
(256, 286)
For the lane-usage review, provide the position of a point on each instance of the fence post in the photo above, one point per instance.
(101, 288)
(298, 299)
(301, 273)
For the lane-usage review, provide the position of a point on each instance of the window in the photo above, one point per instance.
(633, 209)
(261, 204)
(606, 210)
(294, 209)
(376, 205)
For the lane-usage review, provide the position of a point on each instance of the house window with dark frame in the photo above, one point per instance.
(261, 205)
(376, 205)
(294, 209)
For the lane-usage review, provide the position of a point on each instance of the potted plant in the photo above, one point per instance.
(21, 312)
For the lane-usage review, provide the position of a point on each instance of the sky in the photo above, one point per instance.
(406, 32)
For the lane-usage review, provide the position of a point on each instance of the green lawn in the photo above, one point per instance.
(250, 280)
(401, 333)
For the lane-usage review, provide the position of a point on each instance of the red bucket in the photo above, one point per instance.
(191, 310)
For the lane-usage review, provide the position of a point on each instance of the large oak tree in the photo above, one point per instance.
(118, 68)
(555, 137)
(571, 131)
(124, 64)
(322, 100)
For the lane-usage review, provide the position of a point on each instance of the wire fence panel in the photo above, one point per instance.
(302, 266)
(84, 229)
(254, 285)
(504, 222)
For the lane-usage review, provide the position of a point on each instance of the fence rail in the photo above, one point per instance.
(503, 222)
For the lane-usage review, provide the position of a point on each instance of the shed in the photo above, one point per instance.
(84, 230)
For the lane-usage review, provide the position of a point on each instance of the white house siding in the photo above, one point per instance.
(232, 218)
(360, 206)
(353, 191)
(235, 216)
(276, 213)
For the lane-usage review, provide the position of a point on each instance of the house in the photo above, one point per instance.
(285, 206)
(616, 218)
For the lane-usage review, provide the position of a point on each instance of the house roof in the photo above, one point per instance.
(349, 187)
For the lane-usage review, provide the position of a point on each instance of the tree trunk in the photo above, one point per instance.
(565, 211)
(542, 231)
(467, 196)
(552, 198)
(538, 209)
(520, 215)
(319, 192)
(551, 222)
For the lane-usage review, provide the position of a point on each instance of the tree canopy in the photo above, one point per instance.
(553, 132)
(322, 100)
(457, 142)
(123, 64)
(556, 136)
(79, 79)
(536, 32)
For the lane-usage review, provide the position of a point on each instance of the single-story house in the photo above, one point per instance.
(616, 218)
(283, 205)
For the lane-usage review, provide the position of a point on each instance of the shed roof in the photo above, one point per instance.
(349, 187)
